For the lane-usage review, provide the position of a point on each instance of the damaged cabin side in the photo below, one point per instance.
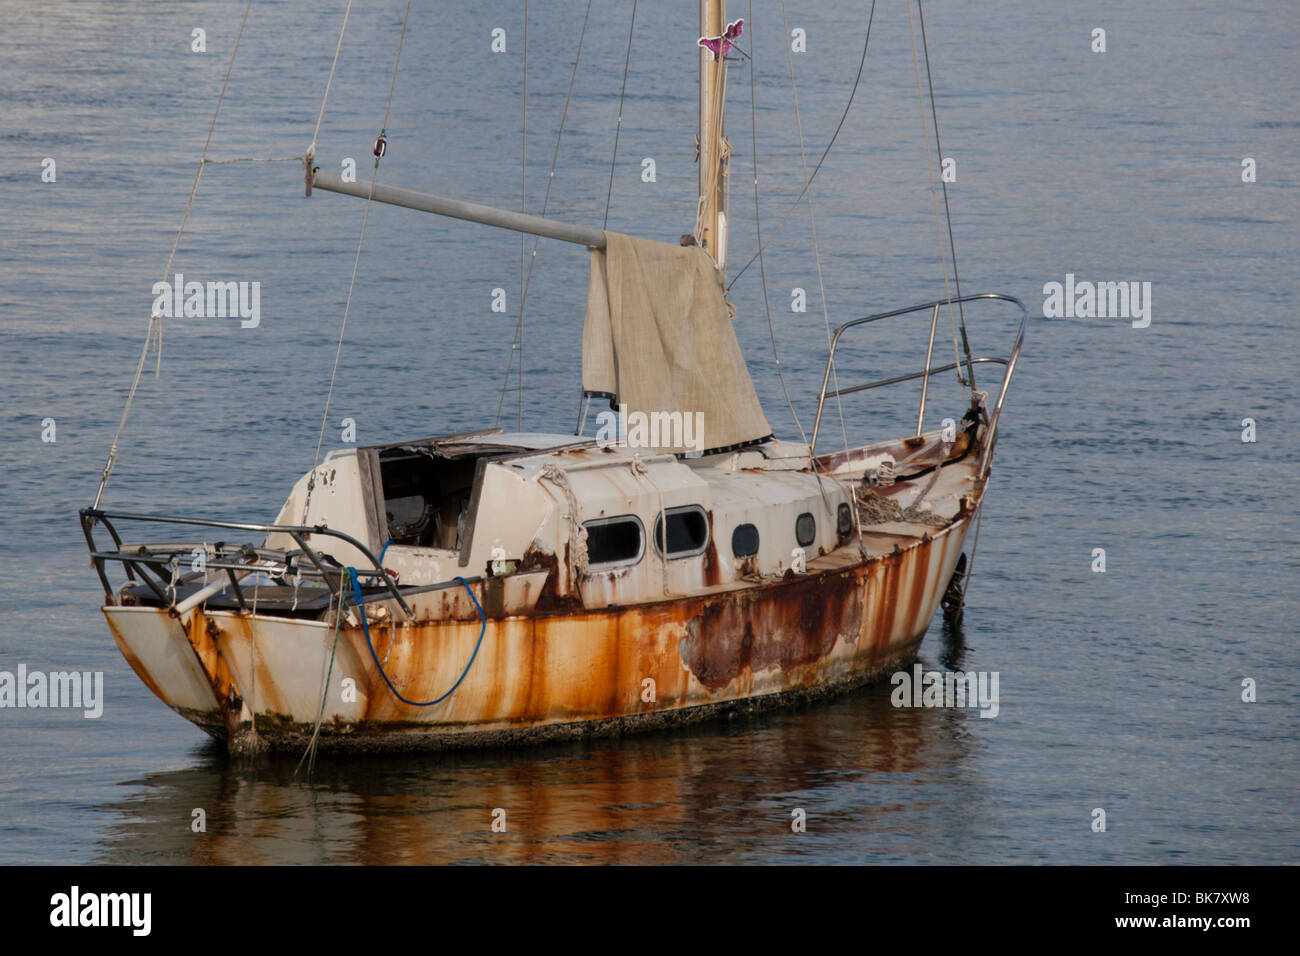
(649, 526)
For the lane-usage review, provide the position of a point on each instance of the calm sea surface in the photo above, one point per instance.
(1119, 690)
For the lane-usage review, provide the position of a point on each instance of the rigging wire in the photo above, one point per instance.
(153, 335)
(758, 228)
(330, 79)
(970, 365)
(523, 239)
(618, 127)
(762, 266)
(546, 199)
(934, 203)
(952, 246)
(356, 261)
(816, 169)
(812, 221)
(253, 159)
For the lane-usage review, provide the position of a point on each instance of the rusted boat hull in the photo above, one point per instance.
(260, 682)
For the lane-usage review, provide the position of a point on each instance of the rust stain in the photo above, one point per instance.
(554, 671)
(136, 665)
(798, 622)
(494, 597)
(549, 599)
(536, 693)
(919, 558)
(202, 634)
(712, 564)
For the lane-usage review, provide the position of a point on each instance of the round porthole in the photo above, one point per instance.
(843, 520)
(744, 540)
(805, 529)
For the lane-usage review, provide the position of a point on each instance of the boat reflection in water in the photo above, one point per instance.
(876, 783)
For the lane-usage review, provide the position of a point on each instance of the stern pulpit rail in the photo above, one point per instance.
(152, 555)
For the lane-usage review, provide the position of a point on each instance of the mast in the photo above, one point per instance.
(711, 221)
(714, 170)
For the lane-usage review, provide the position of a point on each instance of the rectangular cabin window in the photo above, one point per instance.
(614, 542)
(687, 532)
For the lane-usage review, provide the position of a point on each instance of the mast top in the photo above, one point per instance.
(716, 37)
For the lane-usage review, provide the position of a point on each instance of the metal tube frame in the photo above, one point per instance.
(91, 516)
(1009, 362)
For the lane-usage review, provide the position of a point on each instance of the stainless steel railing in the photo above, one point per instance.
(1009, 362)
(236, 561)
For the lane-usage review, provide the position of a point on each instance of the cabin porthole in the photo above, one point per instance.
(687, 533)
(805, 529)
(614, 542)
(843, 520)
(744, 540)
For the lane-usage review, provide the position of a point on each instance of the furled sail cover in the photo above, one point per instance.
(658, 338)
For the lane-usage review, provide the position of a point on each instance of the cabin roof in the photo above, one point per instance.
(485, 440)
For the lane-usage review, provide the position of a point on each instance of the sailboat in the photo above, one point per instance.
(493, 587)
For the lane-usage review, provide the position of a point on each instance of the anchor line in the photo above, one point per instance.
(968, 380)
(970, 566)
(361, 612)
(310, 753)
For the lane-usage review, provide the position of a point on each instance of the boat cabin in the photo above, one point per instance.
(648, 525)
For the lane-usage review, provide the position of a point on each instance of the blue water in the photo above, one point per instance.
(1119, 690)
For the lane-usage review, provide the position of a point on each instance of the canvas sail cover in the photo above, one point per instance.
(658, 339)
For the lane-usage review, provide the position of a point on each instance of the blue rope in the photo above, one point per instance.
(356, 594)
